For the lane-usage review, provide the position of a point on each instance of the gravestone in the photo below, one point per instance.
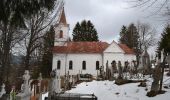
(39, 82)
(144, 62)
(168, 61)
(156, 78)
(2, 90)
(120, 71)
(113, 69)
(55, 86)
(107, 71)
(25, 88)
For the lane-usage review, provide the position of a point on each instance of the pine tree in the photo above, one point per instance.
(123, 35)
(165, 40)
(76, 32)
(85, 32)
(46, 66)
(129, 36)
(132, 36)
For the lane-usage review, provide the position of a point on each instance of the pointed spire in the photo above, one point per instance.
(63, 18)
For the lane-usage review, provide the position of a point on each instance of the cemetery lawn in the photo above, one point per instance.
(107, 90)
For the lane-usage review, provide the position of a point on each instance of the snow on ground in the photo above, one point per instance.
(107, 90)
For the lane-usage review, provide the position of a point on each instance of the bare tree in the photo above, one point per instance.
(35, 30)
(147, 35)
(158, 4)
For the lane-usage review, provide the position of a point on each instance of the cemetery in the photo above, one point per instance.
(72, 90)
(39, 60)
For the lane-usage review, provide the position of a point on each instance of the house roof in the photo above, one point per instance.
(81, 47)
(126, 49)
(88, 47)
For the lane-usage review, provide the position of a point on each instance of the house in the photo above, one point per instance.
(85, 57)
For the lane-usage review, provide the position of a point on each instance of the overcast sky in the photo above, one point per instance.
(108, 16)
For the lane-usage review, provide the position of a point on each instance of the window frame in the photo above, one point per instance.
(61, 34)
(70, 65)
(84, 65)
(97, 65)
(58, 65)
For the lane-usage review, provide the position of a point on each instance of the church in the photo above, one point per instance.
(85, 57)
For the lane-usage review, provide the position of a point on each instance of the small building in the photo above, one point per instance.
(85, 57)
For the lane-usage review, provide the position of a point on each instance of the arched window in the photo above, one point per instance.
(61, 34)
(70, 65)
(84, 65)
(97, 65)
(58, 64)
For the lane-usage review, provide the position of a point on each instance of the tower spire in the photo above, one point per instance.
(63, 17)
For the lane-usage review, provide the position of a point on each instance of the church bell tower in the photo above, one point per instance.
(61, 31)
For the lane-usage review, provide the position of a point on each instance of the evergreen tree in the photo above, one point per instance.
(165, 40)
(123, 35)
(129, 36)
(85, 32)
(132, 36)
(76, 32)
(46, 66)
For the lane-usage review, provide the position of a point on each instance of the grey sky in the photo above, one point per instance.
(108, 16)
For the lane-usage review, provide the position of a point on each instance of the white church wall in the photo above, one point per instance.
(62, 58)
(130, 57)
(77, 60)
(113, 56)
(113, 48)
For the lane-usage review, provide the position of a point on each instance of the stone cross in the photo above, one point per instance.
(55, 86)
(39, 83)
(2, 90)
(25, 88)
(26, 78)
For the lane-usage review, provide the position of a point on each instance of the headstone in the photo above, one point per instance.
(156, 78)
(120, 71)
(162, 55)
(25, 93)
(39, 82)
(55, 86)
(13, 94)
(101, 69)
(168, 61)
(107, 71)
(113, 69)
(2, 90)
(144, 62)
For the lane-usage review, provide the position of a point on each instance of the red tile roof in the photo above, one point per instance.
(126, 49)
(81, 47)
(88, 47)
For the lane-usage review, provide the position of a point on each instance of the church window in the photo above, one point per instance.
(70, 65)
(84, 65)
(58, 64)
(97, 65)
(61, 34)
